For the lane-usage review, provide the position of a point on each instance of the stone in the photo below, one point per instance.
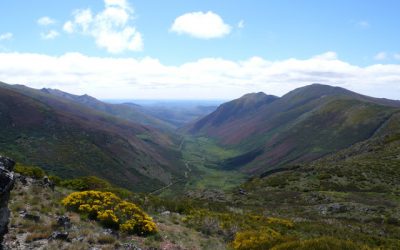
(337, 208)
(109, 231)
(48, 183)
(32, 217)
(242, 192)
(130, 246)
(7, 180)
(332, 208)
(56, 235)
(166, 213)
(64, 221)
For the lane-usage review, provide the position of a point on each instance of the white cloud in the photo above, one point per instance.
(45, 21)
(381, 56)
(110, 28)
(148, 78)
(6, 36)
(205, 25)
(68, 27)
(52, 34)
(240, 24)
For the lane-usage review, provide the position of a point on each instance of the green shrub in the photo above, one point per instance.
(55, 179)
(323, 243)
(86, 183)
(34, 172)
(228, 223)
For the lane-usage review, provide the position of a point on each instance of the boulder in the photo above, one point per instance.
(6, 184)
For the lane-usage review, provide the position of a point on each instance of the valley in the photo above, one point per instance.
(317, 167)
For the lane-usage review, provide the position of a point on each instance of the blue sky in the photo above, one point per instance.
(181, 49)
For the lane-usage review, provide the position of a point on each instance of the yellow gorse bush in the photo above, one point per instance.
(279, 221)
(256, 239)
(111, 211)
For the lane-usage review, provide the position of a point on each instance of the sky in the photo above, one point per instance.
(209, 49)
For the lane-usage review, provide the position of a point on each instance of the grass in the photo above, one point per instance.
(205, 149)
(202, 157)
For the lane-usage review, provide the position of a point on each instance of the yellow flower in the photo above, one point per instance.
(111, 211)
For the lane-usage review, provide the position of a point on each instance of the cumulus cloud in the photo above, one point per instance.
(68, 27)
(149, 78)
(52, 34)
(204, 25)
(45, 21)
(6, 36)
(110, 28)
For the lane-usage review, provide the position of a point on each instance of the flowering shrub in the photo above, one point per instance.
(280, 222)
(108, 218)
(111, 211)
(256, 239)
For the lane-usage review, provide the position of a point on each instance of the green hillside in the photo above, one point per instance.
(301, 126)
(132, 113)
(71, 140)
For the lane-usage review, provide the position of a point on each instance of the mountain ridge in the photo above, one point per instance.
(124, 111)
(72, 140)
(302, 125)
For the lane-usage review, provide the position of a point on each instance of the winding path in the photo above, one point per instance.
(186, 174)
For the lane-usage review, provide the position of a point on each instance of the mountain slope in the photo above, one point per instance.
(368, 166)
(72, 140)
(301, 126)
(130, 112)
(233, 110)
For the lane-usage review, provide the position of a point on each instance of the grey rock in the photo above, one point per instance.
(48, 183)
(332, 208)
(21, 178)
(242, 192)
(130, 246)
(64, 221)
(32, 217)
(59, 236)
(109, 231)
(337, 208)
(166, 213)
(7, 180)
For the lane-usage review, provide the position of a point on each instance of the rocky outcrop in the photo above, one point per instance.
(6, 184)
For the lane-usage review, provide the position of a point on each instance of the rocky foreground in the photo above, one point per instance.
(6, 184)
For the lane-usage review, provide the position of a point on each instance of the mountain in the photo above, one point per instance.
(70, 139)
(131, 112)
(230, 111)
(301, 126)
